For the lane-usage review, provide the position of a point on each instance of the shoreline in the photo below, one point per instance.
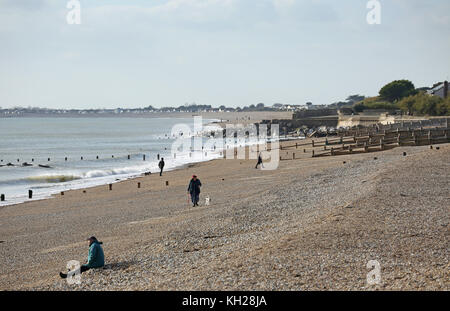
(116, 180)
(241, 116)
(210, 120)
(95, 187)
(82, 187)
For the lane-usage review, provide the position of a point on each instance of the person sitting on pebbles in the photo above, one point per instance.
(96, 258)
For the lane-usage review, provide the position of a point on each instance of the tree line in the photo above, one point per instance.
(403, 95)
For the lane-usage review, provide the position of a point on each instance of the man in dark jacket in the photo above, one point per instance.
(96, 258)
(260, 161)
(161, 166)
(194, 190)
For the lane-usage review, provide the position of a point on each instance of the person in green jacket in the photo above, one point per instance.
(96, 258)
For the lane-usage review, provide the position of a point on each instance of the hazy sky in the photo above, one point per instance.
(135, 53)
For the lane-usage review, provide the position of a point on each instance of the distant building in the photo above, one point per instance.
(310, 106)
(288, 107)
(439, 89)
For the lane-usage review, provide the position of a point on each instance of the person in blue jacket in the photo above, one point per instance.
(96, 257)
(194, 189)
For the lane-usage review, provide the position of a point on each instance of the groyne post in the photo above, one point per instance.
(2, 197)
(110, 187)
(30, 194)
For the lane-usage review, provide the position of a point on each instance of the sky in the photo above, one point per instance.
(136, 53)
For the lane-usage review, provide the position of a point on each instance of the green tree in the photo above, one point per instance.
(407, 103)
(359, 107)
(425, 104)
(397, 90)
(443, 108)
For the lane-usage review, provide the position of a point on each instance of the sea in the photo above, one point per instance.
(54, 154)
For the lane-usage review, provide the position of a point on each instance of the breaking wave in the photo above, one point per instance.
(52, 178)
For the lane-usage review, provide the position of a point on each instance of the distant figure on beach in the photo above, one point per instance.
(96, 258)
(194, 190)
(161, 166)
(260, 161)
(158, 156)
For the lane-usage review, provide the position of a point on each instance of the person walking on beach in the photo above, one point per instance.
(96, 258)
(194, 190)
(161, 166)
(260, 161)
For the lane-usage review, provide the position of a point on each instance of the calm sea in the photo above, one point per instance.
(112, 140)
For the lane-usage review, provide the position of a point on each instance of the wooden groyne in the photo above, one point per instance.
(371, 139)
